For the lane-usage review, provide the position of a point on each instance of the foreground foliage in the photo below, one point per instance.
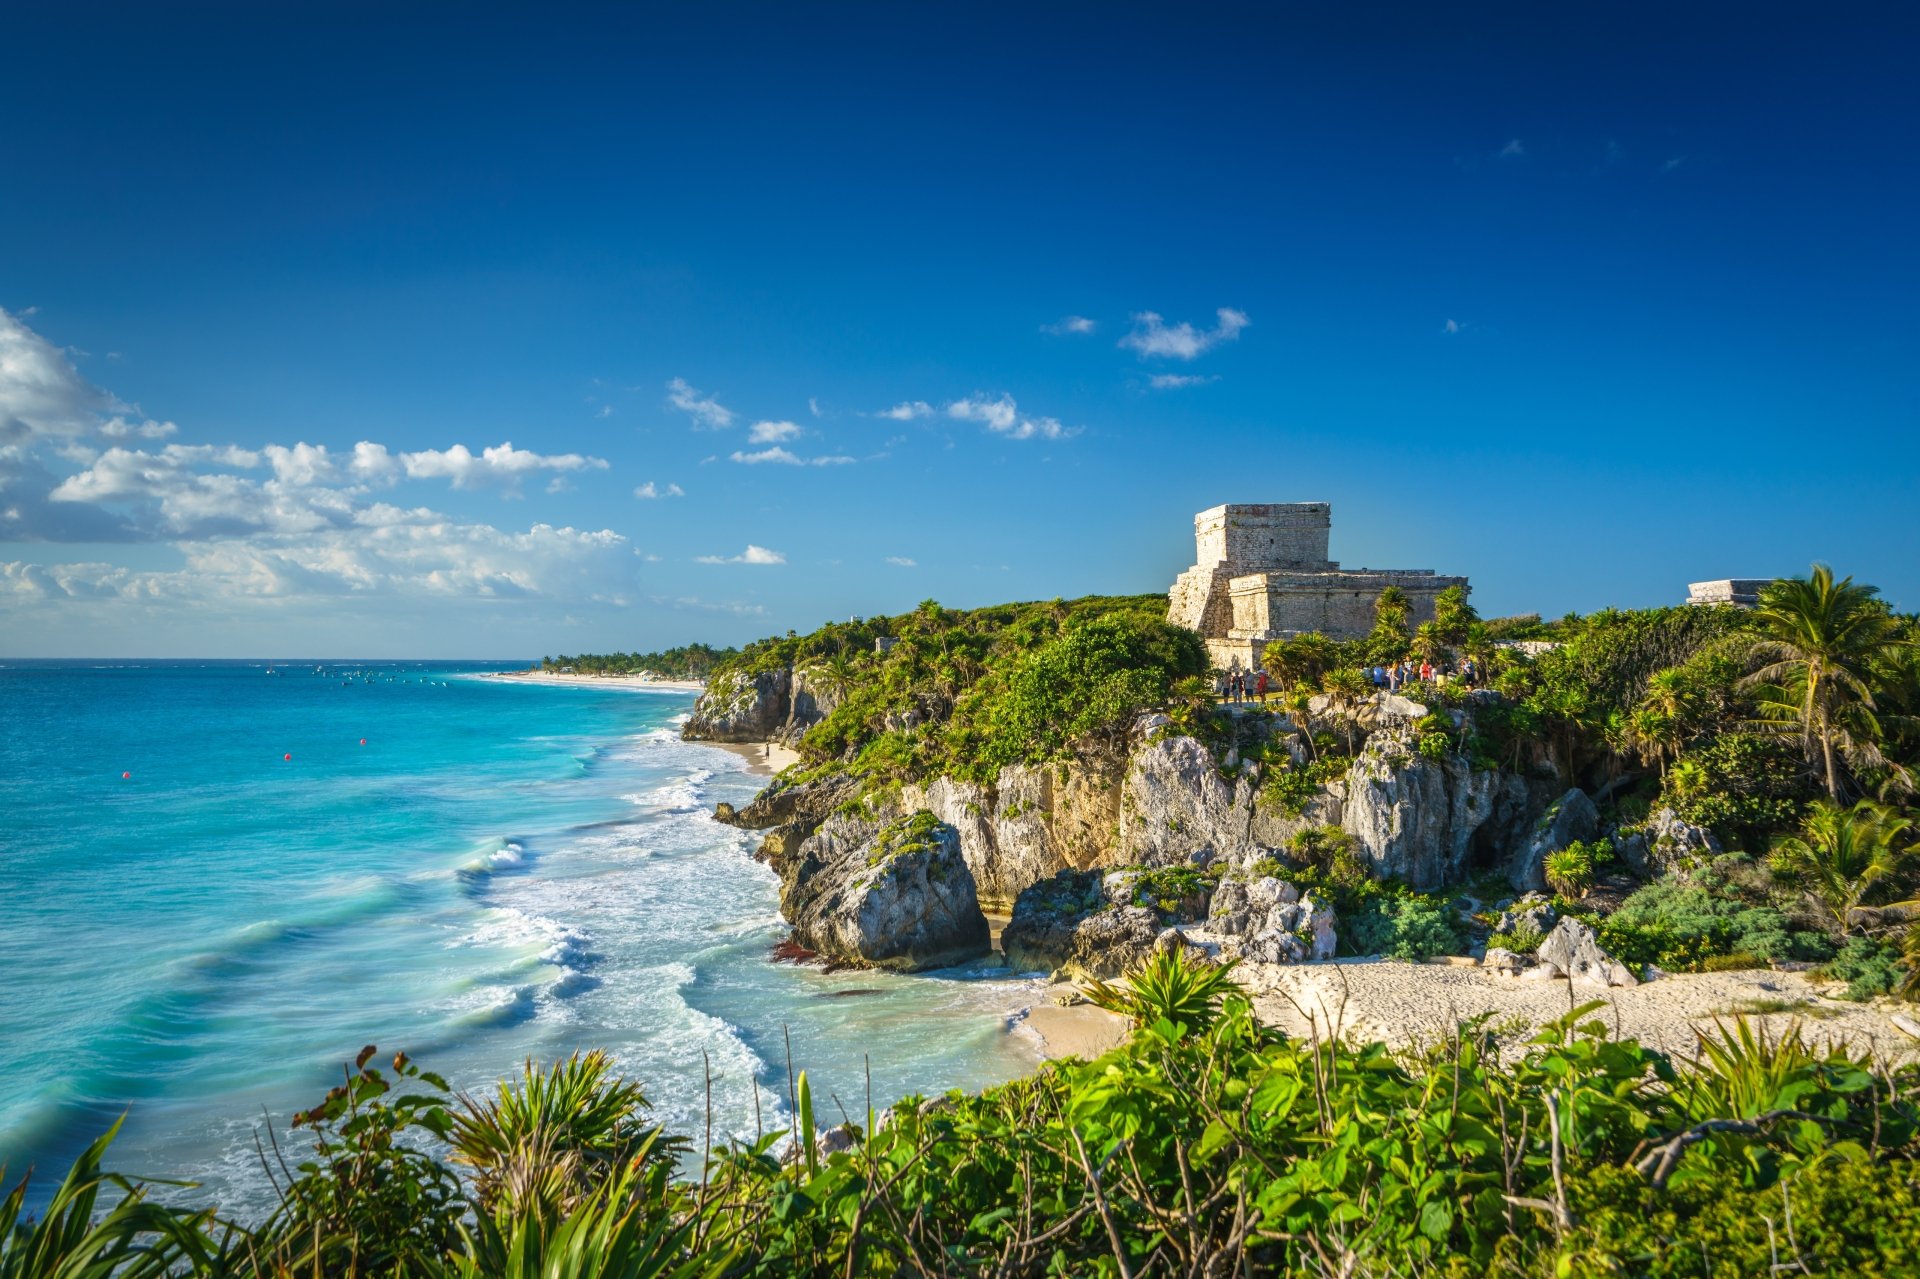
(1206, 1145)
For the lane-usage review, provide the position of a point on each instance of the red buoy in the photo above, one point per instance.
(125, 776)
(288, 755)
(363, 741)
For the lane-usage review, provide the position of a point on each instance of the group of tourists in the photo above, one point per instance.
(1394, 678)
(1244, 686)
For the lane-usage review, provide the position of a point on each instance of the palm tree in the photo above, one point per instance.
(1346, 688)
(1823, 639)
(1303, 659)
(1429, 645)
(1391, 608)
(1842, 854)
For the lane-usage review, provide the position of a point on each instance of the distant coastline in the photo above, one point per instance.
(637, 683)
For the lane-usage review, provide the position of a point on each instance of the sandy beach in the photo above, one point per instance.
(1397, 1002)
(630, 682)
(1074, 1028)
(764, 759)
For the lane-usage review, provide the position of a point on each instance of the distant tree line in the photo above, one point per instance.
(689, 661)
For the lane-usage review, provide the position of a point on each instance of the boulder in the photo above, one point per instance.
(1666, 840)
(1505, 960)
(1568, 819)
(1573, 948)
(1534, 913)
(1268, 921)
(1067, 925)
(1543, 972)
(1174, 803)
(897, 896)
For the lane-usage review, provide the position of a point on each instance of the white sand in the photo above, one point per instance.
(764, 759)
(630, 682)
(1078, 1030)
(1380, 999)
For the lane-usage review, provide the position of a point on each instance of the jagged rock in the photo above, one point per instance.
(1066, 925)
(1174, 803)
(1665, 841)
(897, 896)
(1419, 819)
(1570, 818)
(1505, 960)
(791, 813)
(814, 696)
(1122, 888)
(1268, 921)
(1574, 948)
(1173, 941)
(1543, 972)
(1533, 912)
(738, 707)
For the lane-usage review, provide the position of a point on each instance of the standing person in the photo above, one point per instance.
(1260, 688)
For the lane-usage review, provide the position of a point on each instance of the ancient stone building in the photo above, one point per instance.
(1741, 592)
(1262, 573)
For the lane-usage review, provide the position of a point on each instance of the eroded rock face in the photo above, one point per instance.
(1268, 921)
(1570, 818)
(738, 707)
(1574, 949)
(1505, 960)
(1417, 819)
(898, 895)
(1174, 804)
(1534, 912)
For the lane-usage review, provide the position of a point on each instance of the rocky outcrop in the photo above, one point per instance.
(1067, 925)
(776, 705)
(1533, 913)
(896, 896)
(1267, 920)
(1175, 804)
(1419, 819)
(1505, 960)
(1664, 842)
(1574, 949)
(1571, 817)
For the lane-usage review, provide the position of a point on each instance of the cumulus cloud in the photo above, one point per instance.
(705, 410)
(41, 393)
(907, 411)
(1514, 150)
(503, 464)
(736, 607)
(650, 491)
(901, 561)
(1154, 337)
(1072, 324)
(1002, 416)
(772, 432)
(752, 555)
(1174, 381)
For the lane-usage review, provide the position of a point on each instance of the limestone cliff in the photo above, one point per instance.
(771, 706)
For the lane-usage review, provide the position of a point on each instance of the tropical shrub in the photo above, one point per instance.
(1169, 986)
(1843, 857)
(1521, 941)
(1869, 966)
(1398, 923)
(1681, 926)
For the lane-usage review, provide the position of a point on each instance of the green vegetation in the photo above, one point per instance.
(1396, 922)
(689, 661)
(1682, 925)
(1206, 1144)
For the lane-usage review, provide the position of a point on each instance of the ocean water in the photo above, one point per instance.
(476, 871)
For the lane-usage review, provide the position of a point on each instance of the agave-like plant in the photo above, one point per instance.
(1169, 986)
(133, 1239)
(631, 1227)
(552, 1137)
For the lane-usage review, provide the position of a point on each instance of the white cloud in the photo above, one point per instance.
(1072, 324)
(735, 607)
(118, 428)
(813, 407)
(1003, 417)
(901, 561)
(649, 491)
(1452, 328)
(773, 432)
(41, 393)
(783, 457)
(1512, 151)
(1152, 336)
(605, 410)
(502, 464)
(907, 411)
(706, 411)
(1174, 381)
(752, 555)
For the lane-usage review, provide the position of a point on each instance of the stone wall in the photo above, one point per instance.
(1271, 535)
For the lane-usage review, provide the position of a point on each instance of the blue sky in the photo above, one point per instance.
(1583, 301)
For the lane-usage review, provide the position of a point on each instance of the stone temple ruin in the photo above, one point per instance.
(1262, 574)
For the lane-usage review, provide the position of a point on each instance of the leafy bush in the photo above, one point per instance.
(1399, 924)
(1869, 967)
(1332, 852)
(1521, 941)
(1680, 926)
(1741, 786)
(1570, 870)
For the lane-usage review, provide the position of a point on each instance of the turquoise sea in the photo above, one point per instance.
(477, 871)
